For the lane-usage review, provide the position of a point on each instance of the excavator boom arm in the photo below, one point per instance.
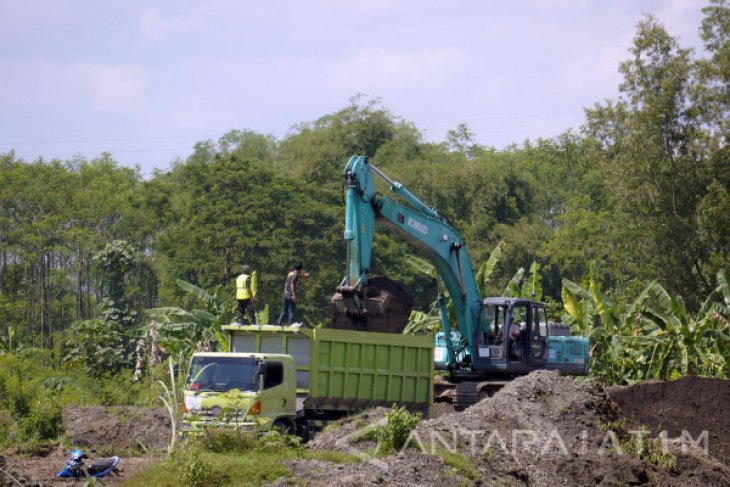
(416, 222)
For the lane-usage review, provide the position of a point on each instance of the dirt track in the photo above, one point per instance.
(539, 430)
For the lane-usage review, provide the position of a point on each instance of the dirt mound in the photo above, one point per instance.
(691, 404)
(120, 429)
(556, 430)
(540, 430)
(328, 439)
(419, 469)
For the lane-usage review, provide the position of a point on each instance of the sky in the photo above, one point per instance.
(147, 80)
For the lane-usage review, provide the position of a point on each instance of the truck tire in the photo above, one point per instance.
(303, 430)
(283, 426)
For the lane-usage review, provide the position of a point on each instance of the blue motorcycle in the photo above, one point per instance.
(100, 468)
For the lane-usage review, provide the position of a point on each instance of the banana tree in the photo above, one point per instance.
(654, 337)
(420, 322)
(525, 286)
(696, 345)
(611, 331)
(182, 330)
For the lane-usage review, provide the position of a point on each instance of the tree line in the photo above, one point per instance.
(640, 193)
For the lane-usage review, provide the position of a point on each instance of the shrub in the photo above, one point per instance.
(198, 472)
(223, 440)
(43, 421)
(395, 433)
(8, 428)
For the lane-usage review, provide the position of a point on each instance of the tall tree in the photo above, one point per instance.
(657, 162)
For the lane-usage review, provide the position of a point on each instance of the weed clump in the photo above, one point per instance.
(394, 434)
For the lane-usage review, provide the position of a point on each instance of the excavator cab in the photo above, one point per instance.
(512, 336)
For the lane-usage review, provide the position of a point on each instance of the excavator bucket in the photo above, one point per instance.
(383, 305)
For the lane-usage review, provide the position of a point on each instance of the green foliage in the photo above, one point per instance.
(636, 440)
(33, 390)
(225, 440)
(642, 191)
(484, 274)
(172, 397)
(420, 323)
(199, 472)
(218, 457)
(216, 469)
(662, 143)
(116, 259)
(460, 463)
(54, 217)
(227, 211)
(394, 434)
(97, 345)
(43, 421)
(529, 287)
(183, 331)
(653, 337)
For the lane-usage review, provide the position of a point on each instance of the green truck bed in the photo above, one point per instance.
(343, 370)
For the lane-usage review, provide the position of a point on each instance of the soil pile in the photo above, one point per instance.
(691, 404)
(540, 430)
(120, 429)
(331, 436)
(407, 470)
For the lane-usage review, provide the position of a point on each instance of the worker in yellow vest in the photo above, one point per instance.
(246, 294)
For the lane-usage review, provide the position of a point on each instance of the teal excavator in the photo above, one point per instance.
(494, 338)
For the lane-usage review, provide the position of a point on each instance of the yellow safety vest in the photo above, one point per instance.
(242, 288)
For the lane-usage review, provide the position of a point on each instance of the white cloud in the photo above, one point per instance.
(31, 12)
(558, 5)
(155, 26)
(382, 69)
(100, 87)
(116, 87)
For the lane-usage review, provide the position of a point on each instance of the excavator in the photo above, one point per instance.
(494, 339)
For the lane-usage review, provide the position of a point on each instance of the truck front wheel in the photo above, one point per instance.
(303, 430)
(283, 427)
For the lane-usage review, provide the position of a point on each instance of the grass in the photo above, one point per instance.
(460, 463)
(212, 469)
(197, 466)
(650, 450)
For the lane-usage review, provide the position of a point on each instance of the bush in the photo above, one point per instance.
(43, 422)
(8, 428)
(33, 387)
(99, 345)
(223, 440)
(199, 472)
(395, 433)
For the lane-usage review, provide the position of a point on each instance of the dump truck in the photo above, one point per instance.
(296, 380)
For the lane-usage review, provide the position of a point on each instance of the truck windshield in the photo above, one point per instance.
(221, 374)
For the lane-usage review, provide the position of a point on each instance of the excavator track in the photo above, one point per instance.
(463, 394)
